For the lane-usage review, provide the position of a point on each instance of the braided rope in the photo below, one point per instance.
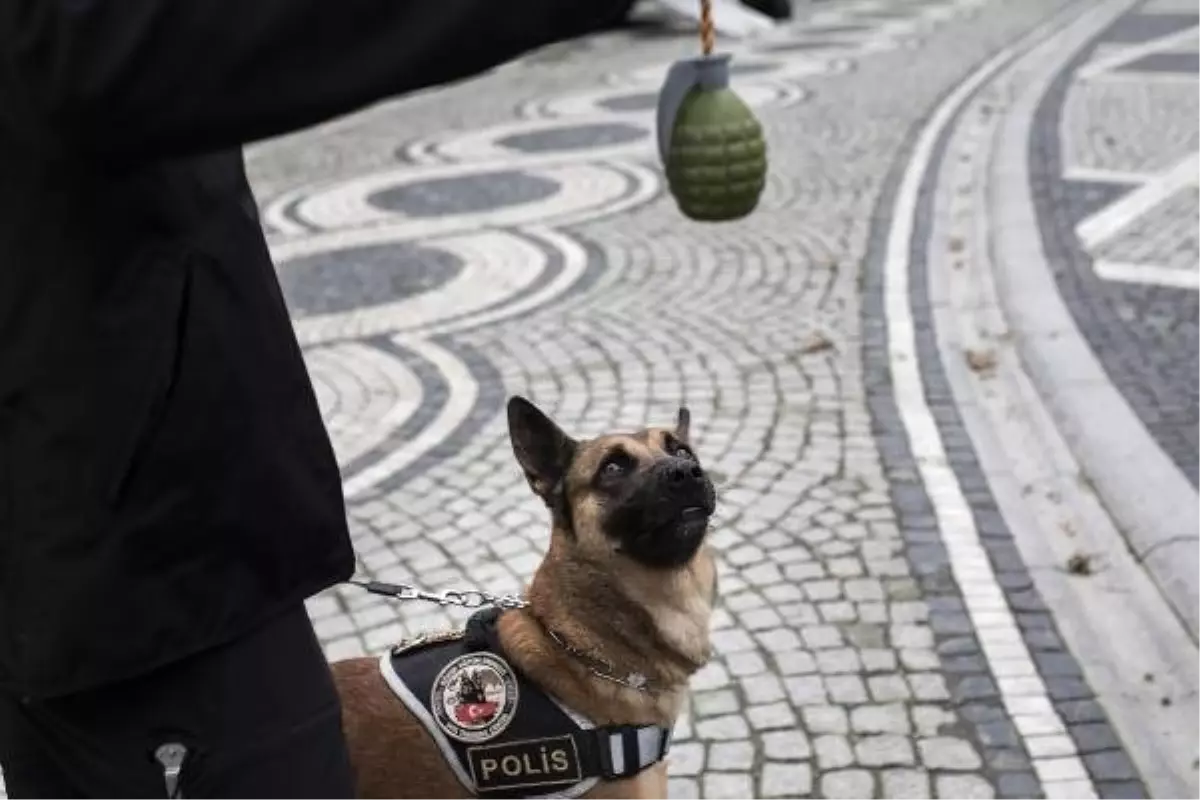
(708, 33)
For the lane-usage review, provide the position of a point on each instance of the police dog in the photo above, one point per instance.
(628, 581)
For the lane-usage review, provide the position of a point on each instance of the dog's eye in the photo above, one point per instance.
(616, 465)
(613, 468)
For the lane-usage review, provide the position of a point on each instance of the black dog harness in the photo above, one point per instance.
(500, 734)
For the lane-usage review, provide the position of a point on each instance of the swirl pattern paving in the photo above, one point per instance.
(512, 235)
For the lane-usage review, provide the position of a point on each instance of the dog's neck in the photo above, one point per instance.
(652, 623)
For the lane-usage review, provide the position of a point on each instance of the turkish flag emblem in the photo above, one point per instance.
(475, 713)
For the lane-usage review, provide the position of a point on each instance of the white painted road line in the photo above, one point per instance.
(1114, 218)
(1016, 677)
(1150, 274)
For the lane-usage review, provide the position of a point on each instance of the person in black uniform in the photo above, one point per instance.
(168, 494)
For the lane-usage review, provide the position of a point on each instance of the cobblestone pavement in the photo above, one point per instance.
(511, 234)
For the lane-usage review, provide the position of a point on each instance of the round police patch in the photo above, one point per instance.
(474, 697)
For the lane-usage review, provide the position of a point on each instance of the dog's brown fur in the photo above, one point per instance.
(603, 602)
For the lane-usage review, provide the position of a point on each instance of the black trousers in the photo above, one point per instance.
(259, 718)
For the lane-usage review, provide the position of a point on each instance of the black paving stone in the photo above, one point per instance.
(999, 733)
(950, 623)
(940, 582)
(909, 498)
(1137, 28)
(1008, 760)
(751, 68)
(1068, 689)
(927, 559)
(979, 713)
(920, 522)
(946, 604)
(343, 280)
(922, 537)
(796, 47)
(1120, 790)
(1186, 63)
(1092, 738)
(1056, 664)
(1013, 579)
(836, 28)
(1113, 765)
(578, 137)
(465, 194)
(960, 645)
(1043, 639)
(1034, 621)
(642, 101)
(964, 664)
(1019, 785)
(1028, 600)
(1085, 198)
(1081, 711)
(975, 687)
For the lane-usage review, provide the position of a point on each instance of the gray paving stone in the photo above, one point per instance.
(884, 750)
(949, 753)
(905, 783)
(774, 715)
(929, 720)
(807, 690)
(785, 780)
(888, 688)
(730, 726)
(727, 785)
(795, 662)
(963, 787)
(686, 759)
(730, 756)
(825, 719)
(683, 787)
(846, 689)
(890, 718)
(716, 703)
(833, 752)
(848, 783)
(763, 689)
(787, 745)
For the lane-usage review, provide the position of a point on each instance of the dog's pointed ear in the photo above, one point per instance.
(683, 425)
(542, 449)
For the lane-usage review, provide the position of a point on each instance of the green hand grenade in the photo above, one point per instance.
(709, 140)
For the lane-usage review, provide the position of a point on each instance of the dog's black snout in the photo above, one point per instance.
(687, 471)
(680, 471)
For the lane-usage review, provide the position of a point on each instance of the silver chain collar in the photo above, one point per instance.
(475, 598)
(603, 669)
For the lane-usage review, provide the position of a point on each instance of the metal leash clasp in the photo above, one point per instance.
(467, 598)
(171, 756)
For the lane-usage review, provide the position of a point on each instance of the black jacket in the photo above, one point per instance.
(165, 478)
